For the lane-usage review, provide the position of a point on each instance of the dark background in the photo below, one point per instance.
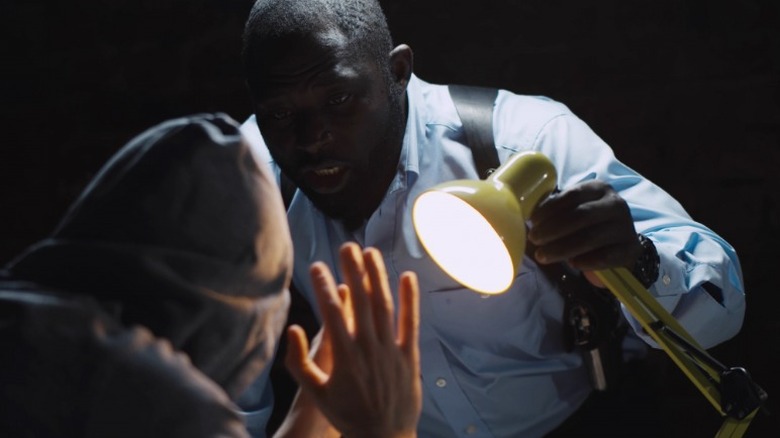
(686, 92)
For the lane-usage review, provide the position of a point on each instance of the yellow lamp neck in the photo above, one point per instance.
(530, 176)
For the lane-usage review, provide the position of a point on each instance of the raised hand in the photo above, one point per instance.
(372, 387)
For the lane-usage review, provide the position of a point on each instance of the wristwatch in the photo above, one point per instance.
(647, 265)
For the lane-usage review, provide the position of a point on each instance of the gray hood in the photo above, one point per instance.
(184, 233)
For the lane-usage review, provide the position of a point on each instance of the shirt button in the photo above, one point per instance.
(666, 279)
(441, 383)
(471, 430)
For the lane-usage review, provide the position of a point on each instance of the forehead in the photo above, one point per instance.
(318, 57)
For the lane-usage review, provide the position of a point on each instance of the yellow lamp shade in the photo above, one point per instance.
(475, 230)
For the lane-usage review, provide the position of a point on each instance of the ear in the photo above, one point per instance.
(401, 65)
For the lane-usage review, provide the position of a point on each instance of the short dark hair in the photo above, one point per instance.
(361, 21)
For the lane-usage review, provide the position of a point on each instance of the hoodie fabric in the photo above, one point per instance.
(158, 298)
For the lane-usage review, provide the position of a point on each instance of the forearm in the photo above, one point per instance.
(305, 420)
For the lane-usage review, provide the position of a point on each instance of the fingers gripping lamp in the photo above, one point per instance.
(474, 230)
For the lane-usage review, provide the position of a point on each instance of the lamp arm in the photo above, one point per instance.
(730, 390)
(702, 358)
(739, 394)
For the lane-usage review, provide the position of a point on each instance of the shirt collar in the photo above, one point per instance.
(409, 162)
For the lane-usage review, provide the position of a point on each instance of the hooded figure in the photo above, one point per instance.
(158, 298)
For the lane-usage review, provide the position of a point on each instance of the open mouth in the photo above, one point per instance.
(326, 178)
(329, 171)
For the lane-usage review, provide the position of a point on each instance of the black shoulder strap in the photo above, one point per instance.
(475, 108)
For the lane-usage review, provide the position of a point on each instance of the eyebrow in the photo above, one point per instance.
(326, 78)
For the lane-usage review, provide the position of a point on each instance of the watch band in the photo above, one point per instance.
(647, 265)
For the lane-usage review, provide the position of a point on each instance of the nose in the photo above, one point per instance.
(312, 132)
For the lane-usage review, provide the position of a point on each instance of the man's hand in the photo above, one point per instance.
(589, 226)
(373, 387)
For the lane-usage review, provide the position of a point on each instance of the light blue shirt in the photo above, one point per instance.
(496, 366)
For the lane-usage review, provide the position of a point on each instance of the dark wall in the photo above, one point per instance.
(81, 77)
(685, 91)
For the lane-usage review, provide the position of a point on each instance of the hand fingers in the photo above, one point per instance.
(596, 247)
(409, 318)
(356, 278)
(381, 298)
(589, 225)
(330, 306)
(550, 205)
(346, 305)
(576, 208)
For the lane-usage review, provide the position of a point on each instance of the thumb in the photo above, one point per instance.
(308, 375)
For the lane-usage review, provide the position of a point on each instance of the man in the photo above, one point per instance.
(341, 115)
(159, 299)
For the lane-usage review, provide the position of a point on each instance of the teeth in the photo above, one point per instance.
(327, 171)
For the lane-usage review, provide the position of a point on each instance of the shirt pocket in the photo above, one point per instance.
(522, 324)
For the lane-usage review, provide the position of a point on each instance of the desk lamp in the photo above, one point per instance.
(475, 231)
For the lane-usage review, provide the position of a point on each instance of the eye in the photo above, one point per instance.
(339, 99)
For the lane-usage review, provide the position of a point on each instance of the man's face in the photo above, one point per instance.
(330, 121)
